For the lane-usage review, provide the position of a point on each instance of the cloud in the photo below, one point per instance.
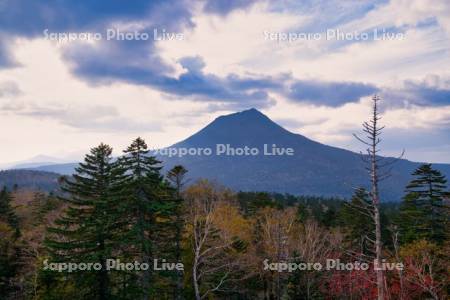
(95, 16)
(194, 64)
(5, 57)
(98, 118)
(225, 64)
(329, 93)
(104, 64)
(199, 86)
(424, 94)
(406, 13)
(420, 144)
(432, 91)
(71, 16)
(67, 15)
(297, 123)
(224, 7)
(9, 89)
(139, 62)
(193, 83)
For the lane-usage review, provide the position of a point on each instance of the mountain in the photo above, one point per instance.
(36, 180)
(65, 169)
(36, 161)
(314, 169)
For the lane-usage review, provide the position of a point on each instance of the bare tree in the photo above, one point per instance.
(376, 166)
(215, 226)
(395, 241)
(425, 267)
(315, 244)
(277, 235)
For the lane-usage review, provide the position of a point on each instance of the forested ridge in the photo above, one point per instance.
(37, 180)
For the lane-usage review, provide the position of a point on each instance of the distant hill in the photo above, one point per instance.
(28, 179)
(314, 169)
(36, 161)
(65, 169)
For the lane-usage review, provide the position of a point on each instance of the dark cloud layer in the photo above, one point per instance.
(424, 94)
(329, 93)
(419, 93)
(138, 62)
(223, 7)
(30, 18)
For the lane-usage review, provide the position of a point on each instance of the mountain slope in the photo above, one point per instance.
(314, 169)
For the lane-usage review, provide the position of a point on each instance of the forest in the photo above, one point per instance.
(225, 150)
(119, 228)
(125, 209)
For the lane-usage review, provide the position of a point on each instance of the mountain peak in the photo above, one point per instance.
(246, 117)
(252, 112)
(248, 126)
(247, 120)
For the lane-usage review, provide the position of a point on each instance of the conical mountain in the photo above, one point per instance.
(249, 127)
(313, 169)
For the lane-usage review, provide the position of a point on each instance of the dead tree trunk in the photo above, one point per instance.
(372, 140)
(374, 131)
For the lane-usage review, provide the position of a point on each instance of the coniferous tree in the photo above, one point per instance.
(41, 204)
(423, 214)
(7, 213)
(9, 248)
(176, 176)
(359, 224)
(147, 206)
(89, 230)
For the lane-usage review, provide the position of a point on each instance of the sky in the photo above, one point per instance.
(74, 74)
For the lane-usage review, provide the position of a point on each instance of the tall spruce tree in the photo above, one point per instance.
(423, 214)
(176, 177)
(89, 230)
(147, 206)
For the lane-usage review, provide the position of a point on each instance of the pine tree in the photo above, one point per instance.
(89, 230)
(148, 207)
(423, 214)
